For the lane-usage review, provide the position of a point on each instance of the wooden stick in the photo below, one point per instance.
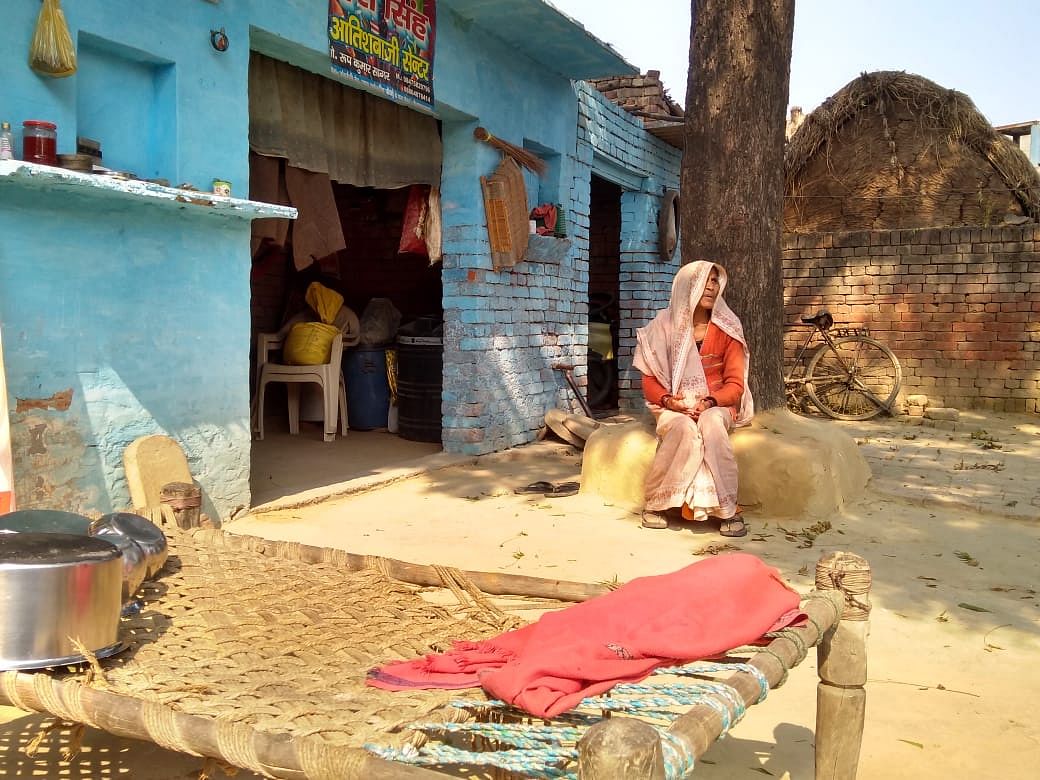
(124, 716)
(495, 583)
(842, 656)
(620, 748)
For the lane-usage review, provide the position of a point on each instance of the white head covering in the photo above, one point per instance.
(664, 347)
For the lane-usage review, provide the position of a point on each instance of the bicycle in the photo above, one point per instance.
(850, 376)
(602, 353)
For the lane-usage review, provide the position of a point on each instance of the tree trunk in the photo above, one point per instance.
(732, 169)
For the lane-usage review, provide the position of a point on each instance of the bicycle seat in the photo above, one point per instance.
(822, 319)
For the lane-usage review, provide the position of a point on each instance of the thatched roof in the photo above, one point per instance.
(895, 150)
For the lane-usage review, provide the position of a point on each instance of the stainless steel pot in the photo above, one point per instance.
(134, 561)
(142, 531)
(53, 587)
(135, 565)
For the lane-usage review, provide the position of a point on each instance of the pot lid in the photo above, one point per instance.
(36, 549)
(51, 521)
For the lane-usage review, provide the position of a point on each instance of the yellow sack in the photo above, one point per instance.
(52, 52)
(309, 343)
(325, 302)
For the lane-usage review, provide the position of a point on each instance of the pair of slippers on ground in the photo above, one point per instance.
(548, 489)
(731, 527)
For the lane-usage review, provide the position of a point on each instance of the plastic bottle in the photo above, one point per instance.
(6, 142)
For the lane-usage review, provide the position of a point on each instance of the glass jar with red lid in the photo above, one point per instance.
(40, 142)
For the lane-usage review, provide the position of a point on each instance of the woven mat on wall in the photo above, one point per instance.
(270, 648)
(505, 207)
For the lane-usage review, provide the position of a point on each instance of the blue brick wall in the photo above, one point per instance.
(608, 132)
(503, 332)
(505, 329)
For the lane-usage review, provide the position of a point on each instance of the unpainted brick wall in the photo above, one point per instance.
(960, 307)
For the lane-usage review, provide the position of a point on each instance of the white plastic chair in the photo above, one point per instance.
(329, 376)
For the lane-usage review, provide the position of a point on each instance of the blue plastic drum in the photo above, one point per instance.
(368, 392)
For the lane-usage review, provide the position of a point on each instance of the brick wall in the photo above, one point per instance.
(270, 273)
(644, 92)
(959, 307)
(503, 330)
(646, 283)
(606, 132)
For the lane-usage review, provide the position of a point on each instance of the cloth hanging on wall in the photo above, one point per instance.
(317, 232)
(320, 125)
(413, 226)
(421, 227)
(433, 226)
(267, 185)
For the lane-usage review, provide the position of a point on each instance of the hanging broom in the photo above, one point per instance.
(521, 155)
(52, 52)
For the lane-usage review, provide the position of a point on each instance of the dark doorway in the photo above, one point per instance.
(604, 289)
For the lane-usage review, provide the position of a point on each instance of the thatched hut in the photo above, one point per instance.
(895, 150)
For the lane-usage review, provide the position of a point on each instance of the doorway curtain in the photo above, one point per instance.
(323, 126)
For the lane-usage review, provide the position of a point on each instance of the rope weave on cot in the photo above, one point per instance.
(540, 749)
(461, 586)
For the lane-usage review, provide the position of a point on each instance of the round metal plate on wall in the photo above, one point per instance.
(668, 225)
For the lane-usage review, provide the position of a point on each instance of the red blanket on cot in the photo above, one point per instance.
(548, 667)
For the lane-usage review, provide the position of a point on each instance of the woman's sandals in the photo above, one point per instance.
(654, 519)
(549, 490)
(732, 527)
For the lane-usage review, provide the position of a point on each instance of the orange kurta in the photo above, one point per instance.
(722, 357)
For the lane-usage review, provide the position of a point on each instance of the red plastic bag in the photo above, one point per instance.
(413, 231)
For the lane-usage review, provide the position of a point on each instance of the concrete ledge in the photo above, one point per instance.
(436, 462)
(64, 183)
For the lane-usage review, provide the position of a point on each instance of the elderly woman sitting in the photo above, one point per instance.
(694, 362)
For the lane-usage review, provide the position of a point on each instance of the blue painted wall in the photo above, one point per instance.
(139, 312)
(143, 313)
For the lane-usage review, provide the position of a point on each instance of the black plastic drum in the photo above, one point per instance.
(419, 382)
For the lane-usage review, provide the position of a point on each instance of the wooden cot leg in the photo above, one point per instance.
(841, 699)
(185, 500)
(621, 748)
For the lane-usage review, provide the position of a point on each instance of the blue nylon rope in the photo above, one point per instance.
(541, 749)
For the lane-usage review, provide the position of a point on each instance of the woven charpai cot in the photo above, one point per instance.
(254, 653)
(272, 650)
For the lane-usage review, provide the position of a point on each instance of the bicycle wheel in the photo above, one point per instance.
(855, 380)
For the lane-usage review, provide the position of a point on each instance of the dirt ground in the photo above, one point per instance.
(950, 525)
